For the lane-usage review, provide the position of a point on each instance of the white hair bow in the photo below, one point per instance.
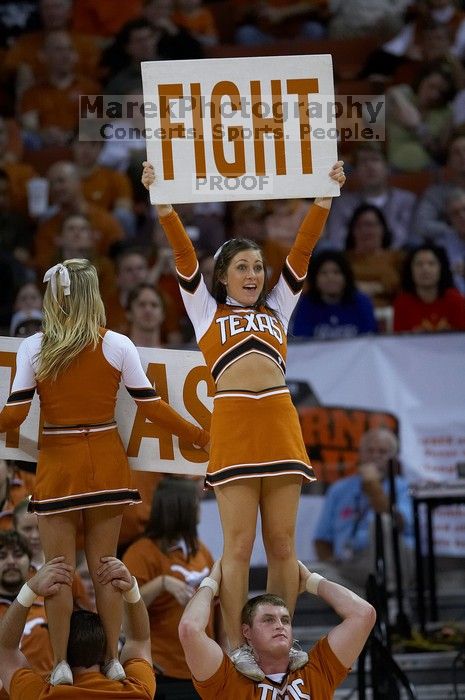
(63, 276)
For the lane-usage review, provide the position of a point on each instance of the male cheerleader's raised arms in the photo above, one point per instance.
(258, 458)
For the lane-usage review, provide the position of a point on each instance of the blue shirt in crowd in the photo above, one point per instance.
(347, 515)
(321, 321)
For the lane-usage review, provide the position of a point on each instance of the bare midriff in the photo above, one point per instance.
(253, 372)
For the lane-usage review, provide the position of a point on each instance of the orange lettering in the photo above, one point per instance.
(349, 426)
(145, 428)
(197, 118)
(303, 87)
(197, 409)
(273, 125)
(235, 134)
(165, 94)
(315, 426)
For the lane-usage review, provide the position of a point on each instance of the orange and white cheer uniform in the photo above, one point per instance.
(253, 434)
(82, 462)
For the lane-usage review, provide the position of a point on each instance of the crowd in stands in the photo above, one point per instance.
(64, 193)
(391, 259)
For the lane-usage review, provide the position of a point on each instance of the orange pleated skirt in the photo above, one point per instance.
(255, 434)
(81, 467)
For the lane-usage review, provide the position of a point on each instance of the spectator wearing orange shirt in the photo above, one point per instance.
(49, 111)
(145, 315)
(15, 562)
(21, 477)
(198, 20)
(282, 219)
(100, 19)
(15, 485)
(376, 266)
(24, 57)
(135, 519)
(105, 187)
(255, 221)
(67, 197)
(131, 270)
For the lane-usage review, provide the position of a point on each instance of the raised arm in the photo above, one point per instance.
(203, 655)
(152, 406)
(184, 254)
(199, 303)
(312, 226)
(136, 626)
(46, 582)
(358, 617)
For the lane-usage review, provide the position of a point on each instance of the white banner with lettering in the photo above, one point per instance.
(417, 380)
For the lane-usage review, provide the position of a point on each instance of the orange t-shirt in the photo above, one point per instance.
(27, 50)
(21, 486)
(116, 314)
(146, 561)
(35, 641)
(104, 186)
(384, 267)
(136, 517)
(80, 596)
(106, 227)
(18, 175)
(138, 684)
(57, 107)
(317, 680)
(117, 319)
(100, 18)
(201, 22)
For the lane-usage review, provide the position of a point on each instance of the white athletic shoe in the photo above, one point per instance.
(297, 659)
(113, 670)
(244, 661)
(61, 674)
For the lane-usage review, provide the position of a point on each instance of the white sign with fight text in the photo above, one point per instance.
(242, 128)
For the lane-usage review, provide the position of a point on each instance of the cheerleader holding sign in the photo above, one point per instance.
(257, 454)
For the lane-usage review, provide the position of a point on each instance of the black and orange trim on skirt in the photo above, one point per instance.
(255, 434)
(81, 466)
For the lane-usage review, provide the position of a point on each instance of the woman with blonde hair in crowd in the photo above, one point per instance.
(76, 366)
(258, 458)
